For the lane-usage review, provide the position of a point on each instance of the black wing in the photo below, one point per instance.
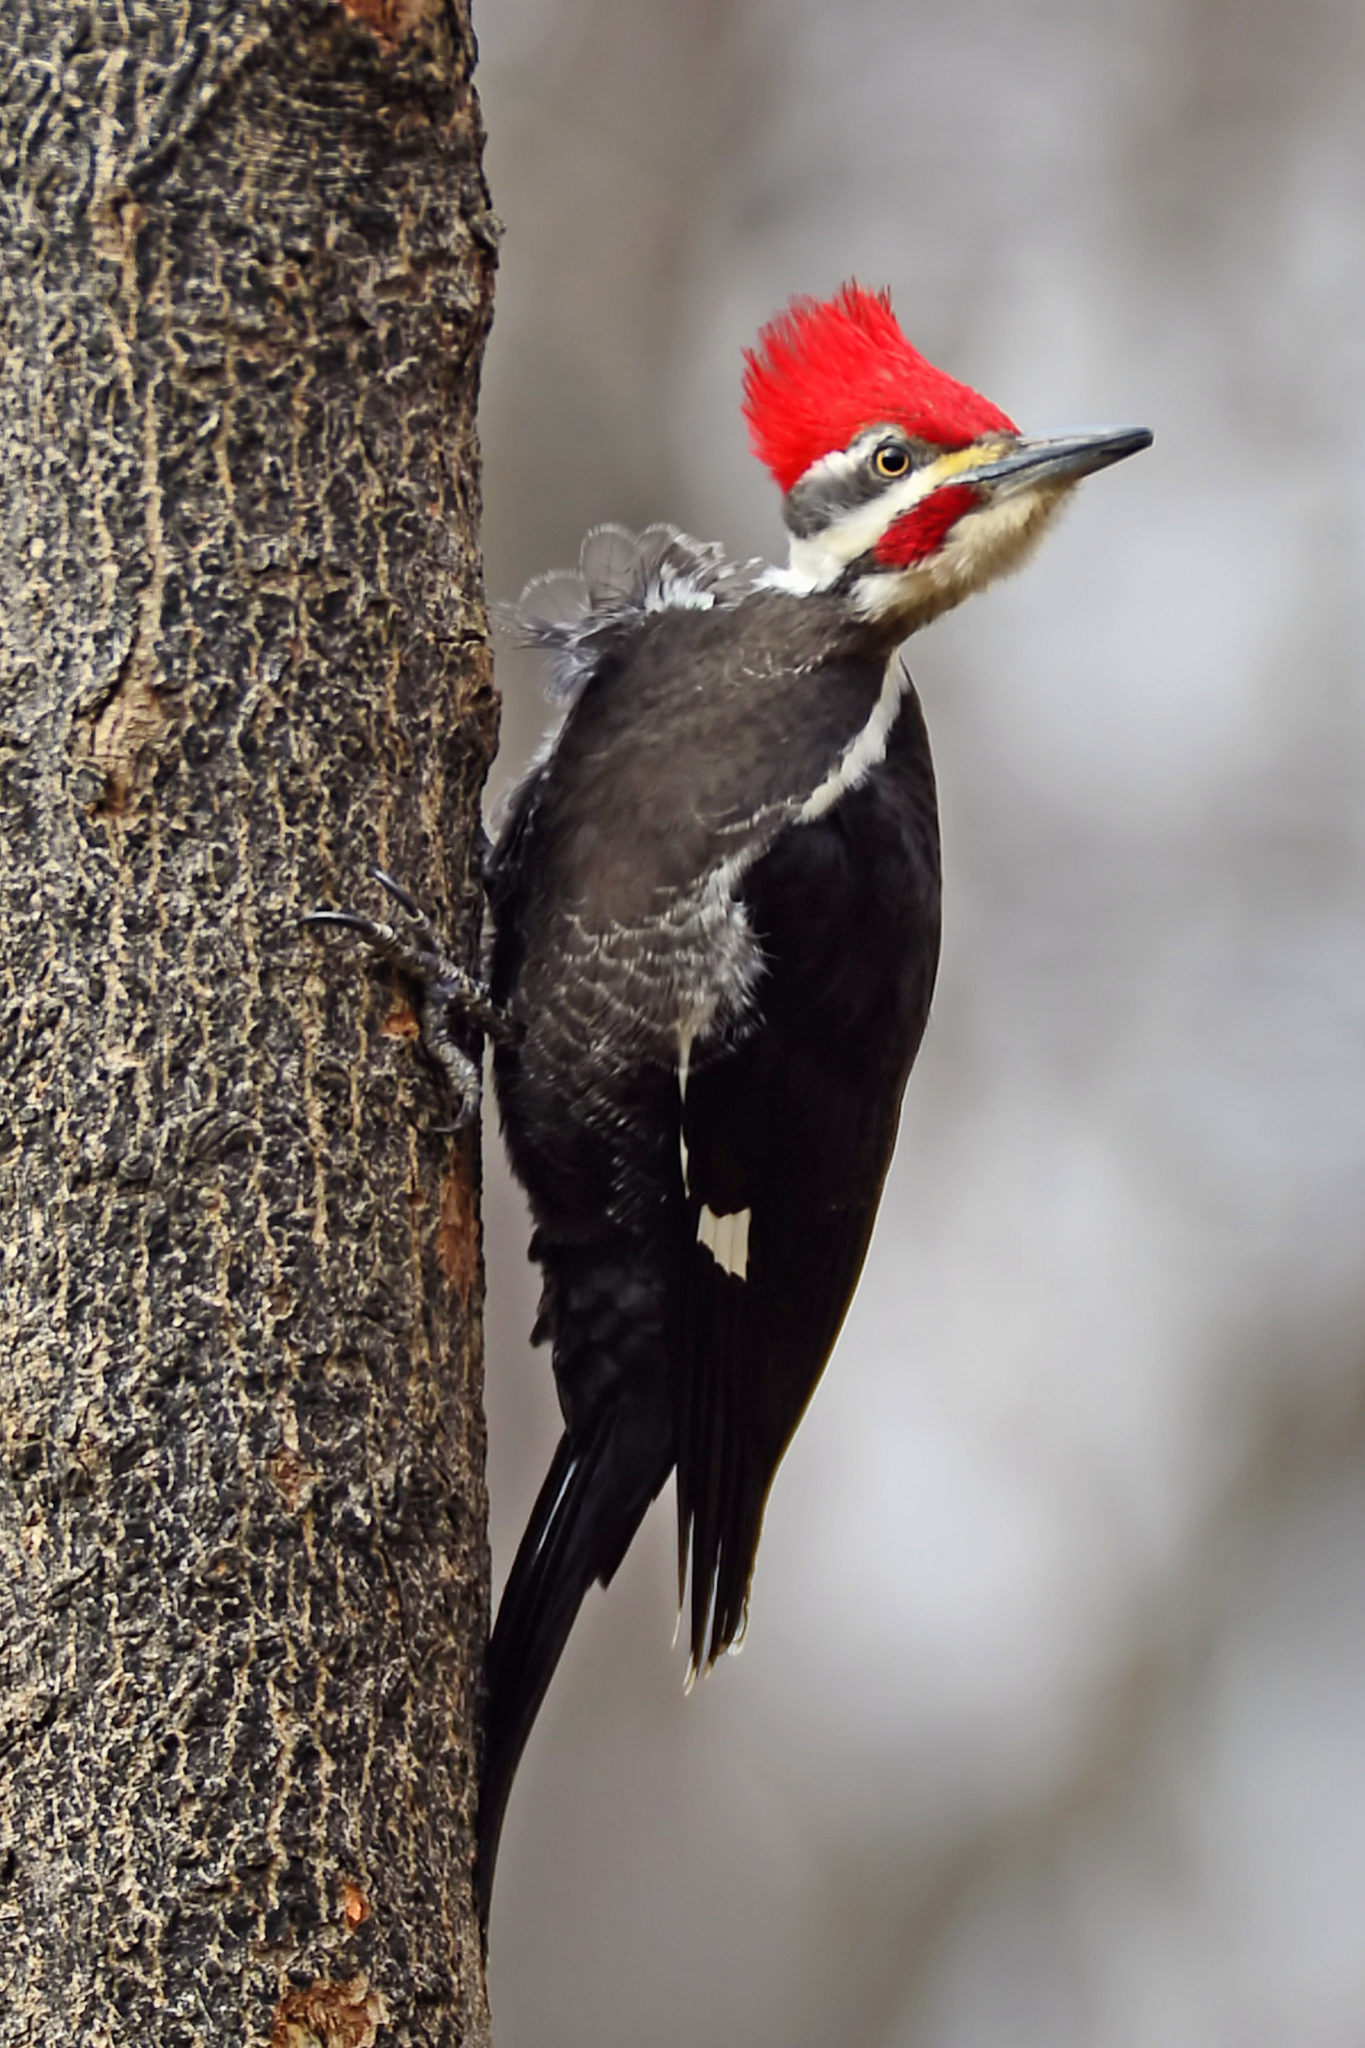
(788, 1136)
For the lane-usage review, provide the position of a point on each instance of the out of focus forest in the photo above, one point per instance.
(1050, 1725)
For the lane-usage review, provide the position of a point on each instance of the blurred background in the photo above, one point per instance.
(1050, 1725)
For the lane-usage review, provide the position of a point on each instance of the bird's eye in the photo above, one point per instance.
(891, 459)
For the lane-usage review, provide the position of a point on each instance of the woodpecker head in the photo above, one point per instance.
(903, 489)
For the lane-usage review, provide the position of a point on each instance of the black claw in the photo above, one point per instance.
(348, 919)
(401, 897)
(458, 1128)
(451, 999)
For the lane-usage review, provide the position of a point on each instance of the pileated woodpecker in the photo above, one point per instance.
(715, 910)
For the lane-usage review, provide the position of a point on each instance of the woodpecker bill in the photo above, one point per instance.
(715, 931)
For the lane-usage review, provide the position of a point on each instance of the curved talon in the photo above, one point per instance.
(450, 997)
(401, 896)
(462, 1122)
(348, 918)
(424, 963)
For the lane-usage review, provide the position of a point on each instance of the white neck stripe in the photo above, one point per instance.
(865, 751)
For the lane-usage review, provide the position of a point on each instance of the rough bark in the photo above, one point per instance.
(246, 261)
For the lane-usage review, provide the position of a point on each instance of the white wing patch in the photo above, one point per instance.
(727, 1239)
(685, 1036)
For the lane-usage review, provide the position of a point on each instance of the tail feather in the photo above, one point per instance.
(592, 1502)
(721, 1494)
(538, 1609)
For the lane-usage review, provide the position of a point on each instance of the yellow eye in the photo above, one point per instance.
(891, 459)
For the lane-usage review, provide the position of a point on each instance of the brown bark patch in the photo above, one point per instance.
(391, 20)
(328, 2016)
(457, 1234)
(122, 735)
(355, 1907)
(401, 1023)
(293, 1478)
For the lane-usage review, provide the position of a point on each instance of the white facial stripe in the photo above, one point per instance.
(841, 462)
(820, 560)
(727, 1239)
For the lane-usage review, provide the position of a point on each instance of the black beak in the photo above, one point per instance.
(1057, 458)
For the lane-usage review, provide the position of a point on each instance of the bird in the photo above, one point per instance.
(714, 903)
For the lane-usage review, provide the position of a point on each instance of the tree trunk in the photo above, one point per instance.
(246, 277)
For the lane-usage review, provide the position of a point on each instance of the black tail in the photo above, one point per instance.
(592, 1502)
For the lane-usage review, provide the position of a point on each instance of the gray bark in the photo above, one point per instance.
(246, 272)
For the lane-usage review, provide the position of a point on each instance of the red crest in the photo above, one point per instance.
(826, 368)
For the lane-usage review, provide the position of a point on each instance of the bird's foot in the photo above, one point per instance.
(450, 999)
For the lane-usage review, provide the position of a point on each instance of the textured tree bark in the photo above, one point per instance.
(246, 277)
